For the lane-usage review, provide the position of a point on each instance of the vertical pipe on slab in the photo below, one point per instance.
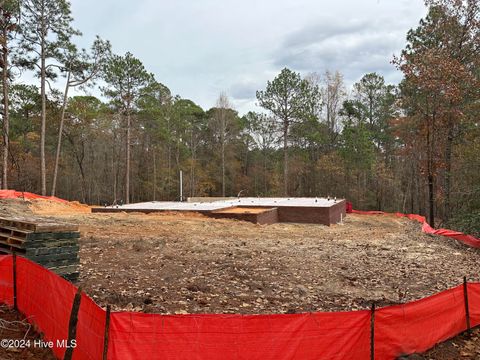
(181, 185)
(467, 309)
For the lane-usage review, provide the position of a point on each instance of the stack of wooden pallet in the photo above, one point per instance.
(51, 244)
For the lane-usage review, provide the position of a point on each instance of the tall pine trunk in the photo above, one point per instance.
(114, 170)
(448, 171)
(192, 165)
(222, 139)
(154, 174)
(6, 113)
(127, 159)
(430, 171)
(60, 133)
(43, 76)
(285, 158)
(264, 171)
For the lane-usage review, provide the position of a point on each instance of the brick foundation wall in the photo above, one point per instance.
(313, 215)
(269, 216)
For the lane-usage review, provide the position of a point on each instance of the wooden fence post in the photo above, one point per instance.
(72, 325)
(14, 262)
(372, 332)
(467, 308)
(105, 336)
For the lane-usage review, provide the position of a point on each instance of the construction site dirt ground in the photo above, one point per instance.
(180, 263)
(188, 263)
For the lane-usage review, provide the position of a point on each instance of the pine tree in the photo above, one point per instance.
(45, 30)
(126, 77)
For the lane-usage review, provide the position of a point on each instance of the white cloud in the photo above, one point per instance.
(200, 48)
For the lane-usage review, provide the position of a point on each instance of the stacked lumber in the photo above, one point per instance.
(51, 244)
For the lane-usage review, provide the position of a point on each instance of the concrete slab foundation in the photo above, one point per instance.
(298, 210)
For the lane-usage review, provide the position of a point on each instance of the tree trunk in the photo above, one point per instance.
(60, 133)
(430, 180)
(285, 158)
(264, 172)
(246, 158)
(6, 113)
(222, 137)
(169, 160)
(114, 171)
(43, 76)
(412, 196)
(193, 164)
(84, 181)
(127, 162)
(448, 171)
(431, 201)
(80, 157)
(154, 175)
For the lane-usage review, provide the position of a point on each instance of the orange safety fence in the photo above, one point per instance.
(6, 280)
(426, 228)
(46, 300)
(12, 194)
(343, 335)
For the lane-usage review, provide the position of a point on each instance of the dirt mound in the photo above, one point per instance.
(49, 207)
(14, 207)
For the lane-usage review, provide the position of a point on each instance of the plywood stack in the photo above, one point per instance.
(51, 244)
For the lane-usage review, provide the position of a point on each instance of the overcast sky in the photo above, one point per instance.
(199, 48)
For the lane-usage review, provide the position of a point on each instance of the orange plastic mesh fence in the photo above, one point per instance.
(46, 299)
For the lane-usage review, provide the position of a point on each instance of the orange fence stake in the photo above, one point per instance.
(105, 336)
(72, 325)
(467, 308)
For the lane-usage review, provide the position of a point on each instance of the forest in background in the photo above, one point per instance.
(410, 147)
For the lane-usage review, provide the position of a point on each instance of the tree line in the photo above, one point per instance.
(410, 147)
